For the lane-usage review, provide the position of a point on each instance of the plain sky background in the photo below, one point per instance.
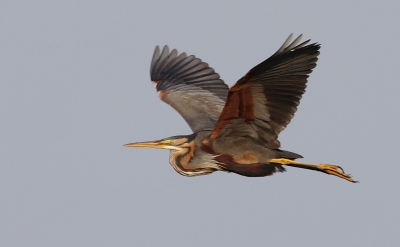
(75, 87)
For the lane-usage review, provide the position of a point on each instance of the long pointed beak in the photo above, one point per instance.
(149, 144)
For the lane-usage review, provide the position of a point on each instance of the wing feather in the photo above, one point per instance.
(190, 86)
(267, 97)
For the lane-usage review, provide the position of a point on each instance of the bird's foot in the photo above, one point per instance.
(336, 171)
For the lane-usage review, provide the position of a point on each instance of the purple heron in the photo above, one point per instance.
(234, 130)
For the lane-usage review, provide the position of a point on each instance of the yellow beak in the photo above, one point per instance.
(150, 144)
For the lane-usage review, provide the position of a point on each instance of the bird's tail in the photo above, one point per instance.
(287, 155)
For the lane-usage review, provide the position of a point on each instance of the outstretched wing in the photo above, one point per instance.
(262, 103)
(190, 86)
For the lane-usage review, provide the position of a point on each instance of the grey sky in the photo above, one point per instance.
(75, 87)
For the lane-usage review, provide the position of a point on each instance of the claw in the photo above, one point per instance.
(334, 170)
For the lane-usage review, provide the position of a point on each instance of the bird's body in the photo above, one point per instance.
(234, 130)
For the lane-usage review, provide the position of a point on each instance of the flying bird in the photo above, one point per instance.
(234, 130)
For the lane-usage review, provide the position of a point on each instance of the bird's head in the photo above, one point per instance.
(172, 143)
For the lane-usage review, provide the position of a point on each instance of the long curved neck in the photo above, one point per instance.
(181, 159)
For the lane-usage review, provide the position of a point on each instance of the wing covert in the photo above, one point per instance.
(190, 86)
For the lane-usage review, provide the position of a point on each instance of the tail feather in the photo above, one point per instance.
(287, 155)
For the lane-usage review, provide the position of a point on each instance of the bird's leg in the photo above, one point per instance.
(328, 169)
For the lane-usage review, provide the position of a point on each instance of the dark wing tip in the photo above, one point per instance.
(287, 46)
(156, 56)
(170, 69)
(286, 55)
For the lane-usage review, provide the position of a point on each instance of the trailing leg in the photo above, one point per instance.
(328, 169)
